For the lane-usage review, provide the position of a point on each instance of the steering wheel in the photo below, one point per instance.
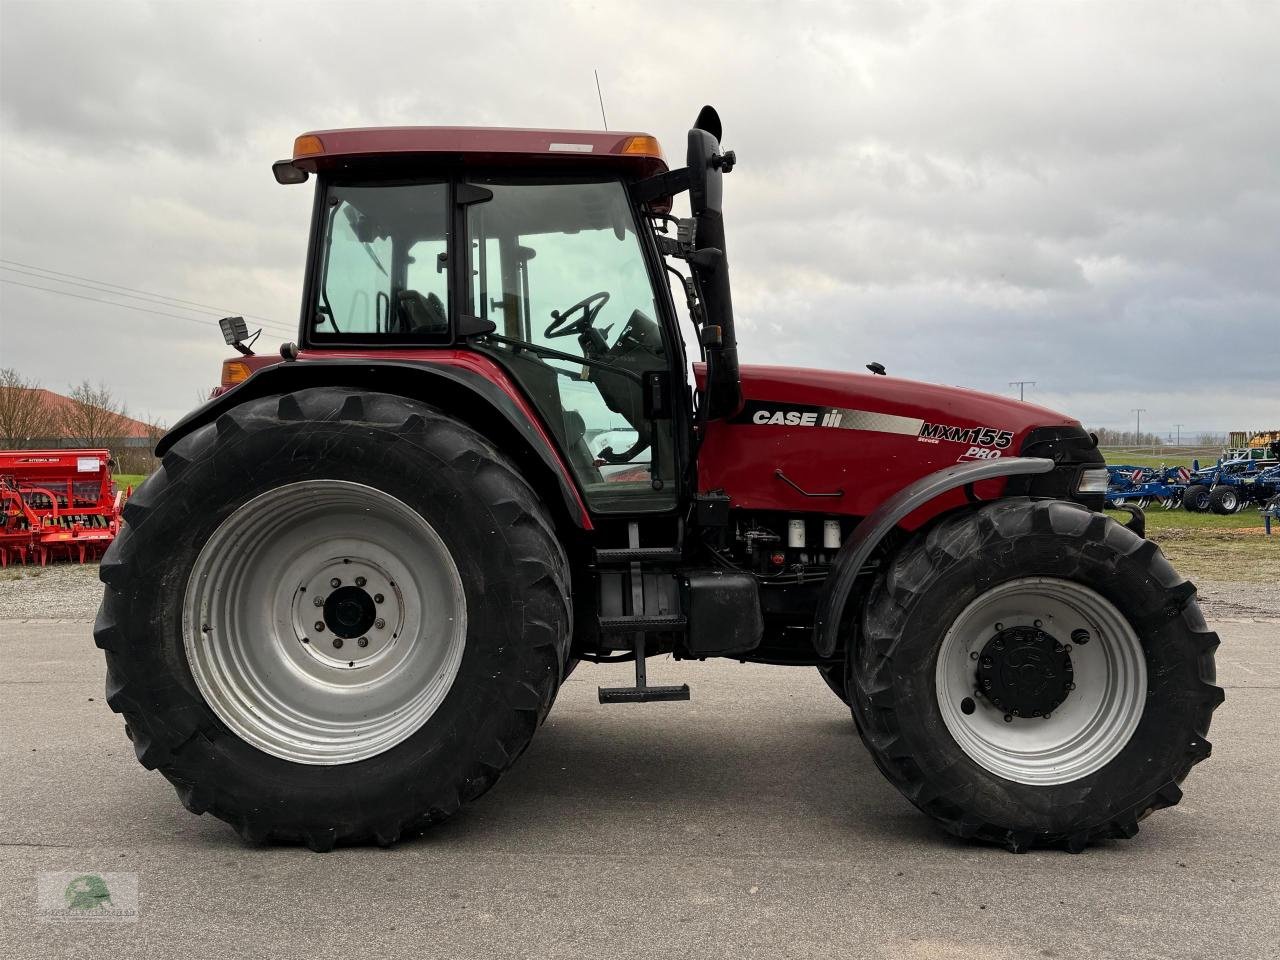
(590, 307)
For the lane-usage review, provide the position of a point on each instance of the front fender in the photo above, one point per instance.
(483, 398)
(868, 534)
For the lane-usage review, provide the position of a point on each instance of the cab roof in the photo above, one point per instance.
(637, 153)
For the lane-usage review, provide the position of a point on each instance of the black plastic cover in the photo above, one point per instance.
(723, 610)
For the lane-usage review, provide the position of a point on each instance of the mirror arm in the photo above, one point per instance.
(662, 185)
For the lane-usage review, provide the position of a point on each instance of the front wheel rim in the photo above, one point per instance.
(324, 621)
(1097, 716)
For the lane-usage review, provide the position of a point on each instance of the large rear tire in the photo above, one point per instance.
(1032, 674)
(333, 617)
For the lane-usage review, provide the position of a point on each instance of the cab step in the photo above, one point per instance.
(642, 692)
(660, 623)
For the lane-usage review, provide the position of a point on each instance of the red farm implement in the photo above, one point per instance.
(56, 503)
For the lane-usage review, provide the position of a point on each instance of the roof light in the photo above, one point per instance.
(307, 146)
(643, 146)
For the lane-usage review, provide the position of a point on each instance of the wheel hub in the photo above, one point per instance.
(347, 612)
(1025, 672)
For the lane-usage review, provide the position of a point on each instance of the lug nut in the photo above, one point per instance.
(335, 583)
(377, 598)
(379, 623)
(999, 626)
(320, 625)
(361, 581)
(1037, 623)
(1008, 719)
(973, 655)
(1080, 636)
(362, 642)
(318, 601)
(337, 643)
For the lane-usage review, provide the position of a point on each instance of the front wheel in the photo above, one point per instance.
(1034, 674)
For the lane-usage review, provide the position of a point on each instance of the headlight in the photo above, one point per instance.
(1093, 481)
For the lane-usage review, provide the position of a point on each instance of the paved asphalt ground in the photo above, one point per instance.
(748, 822)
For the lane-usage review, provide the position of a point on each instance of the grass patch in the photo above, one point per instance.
(124, 480)
(1207, 546)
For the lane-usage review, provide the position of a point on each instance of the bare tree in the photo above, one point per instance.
(93, 416)
(24, 416)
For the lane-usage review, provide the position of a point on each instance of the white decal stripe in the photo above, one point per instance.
(572, 147)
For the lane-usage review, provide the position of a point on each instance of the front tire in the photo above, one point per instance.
(333, 617)
(928, 668)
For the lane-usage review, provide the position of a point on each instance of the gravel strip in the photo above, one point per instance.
(1220, 599)
(72, 591)
(61, 591)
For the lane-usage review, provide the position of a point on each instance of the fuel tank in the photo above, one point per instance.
(842, 443)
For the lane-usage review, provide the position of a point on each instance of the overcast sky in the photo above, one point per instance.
(1086, 195)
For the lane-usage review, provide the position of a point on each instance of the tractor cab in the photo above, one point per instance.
(539, 250)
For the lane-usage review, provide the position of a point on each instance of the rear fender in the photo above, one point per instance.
(485, 400)
(872, 530)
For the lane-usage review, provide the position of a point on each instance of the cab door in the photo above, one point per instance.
(559, 269)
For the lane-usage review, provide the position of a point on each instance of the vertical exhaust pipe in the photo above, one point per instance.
(710, 263)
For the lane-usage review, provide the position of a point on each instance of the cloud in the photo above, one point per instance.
(1083, 195)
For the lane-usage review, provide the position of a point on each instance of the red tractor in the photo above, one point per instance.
(345, 602)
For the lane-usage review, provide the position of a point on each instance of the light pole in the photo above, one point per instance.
(1020, 384)
(1137, 433)
(1178, 427)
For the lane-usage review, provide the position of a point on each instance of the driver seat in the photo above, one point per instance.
(575, 445)
(419, 314)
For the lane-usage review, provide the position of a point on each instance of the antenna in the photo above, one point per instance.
(601, 98)
(1021, 385)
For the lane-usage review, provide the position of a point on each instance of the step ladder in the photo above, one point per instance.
(638, 624)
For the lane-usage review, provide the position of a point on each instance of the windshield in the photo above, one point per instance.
(383, 264)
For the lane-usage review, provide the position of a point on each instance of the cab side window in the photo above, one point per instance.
(384, 271)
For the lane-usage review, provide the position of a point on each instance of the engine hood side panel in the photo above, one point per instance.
(865, 436)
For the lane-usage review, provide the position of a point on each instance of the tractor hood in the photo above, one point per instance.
(930, 403)
(860, 435)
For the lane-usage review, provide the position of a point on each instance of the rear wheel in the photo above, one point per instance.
(333, 617)
(1196, 498)
(1224, 500)
(1032, 673)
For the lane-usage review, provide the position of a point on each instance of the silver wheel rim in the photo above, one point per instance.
(319, 682)
(1087, 729)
